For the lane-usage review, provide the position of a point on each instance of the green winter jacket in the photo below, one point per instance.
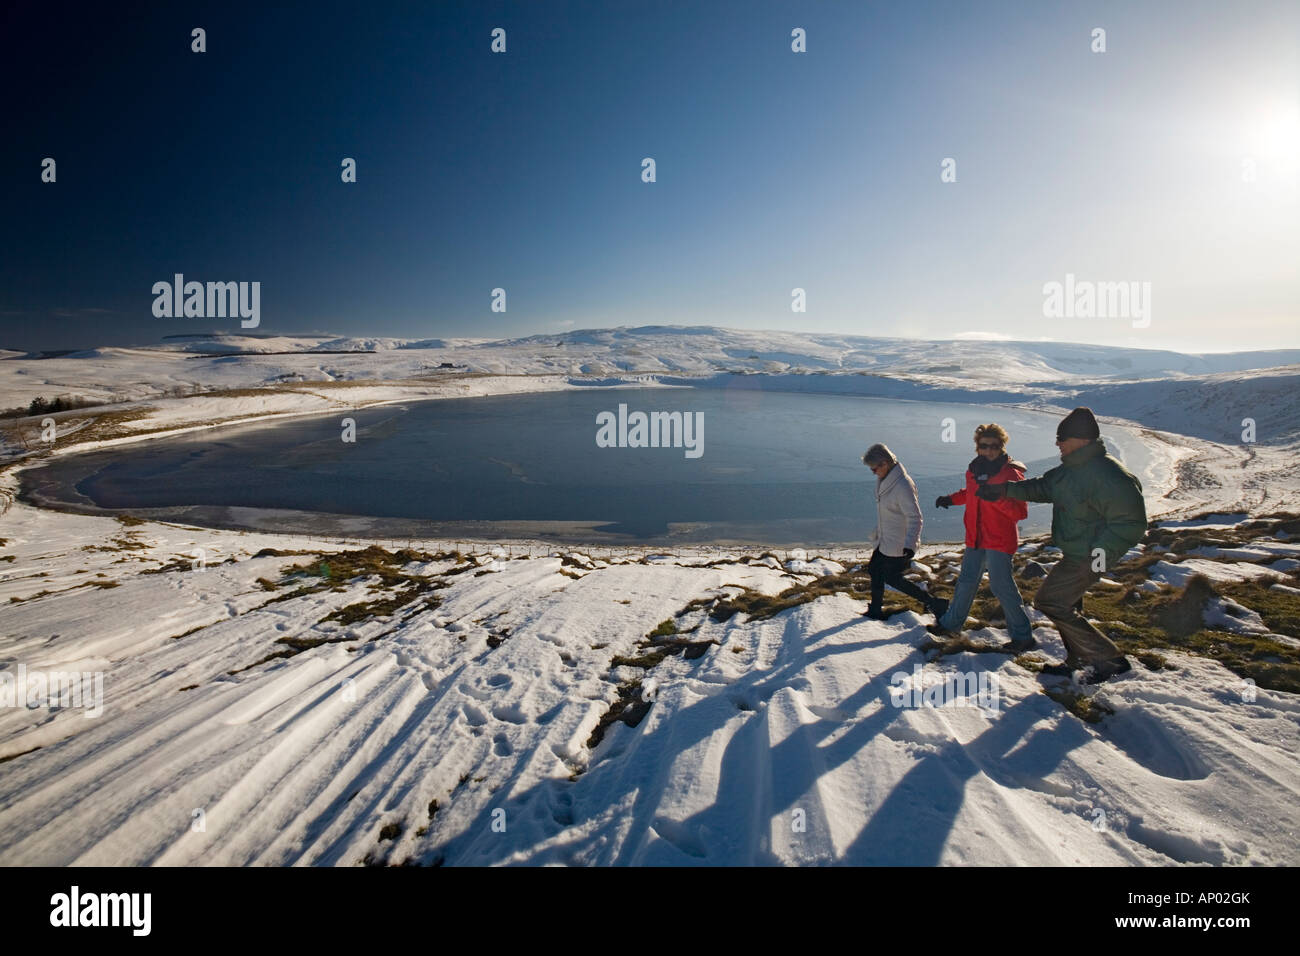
(1096, 503)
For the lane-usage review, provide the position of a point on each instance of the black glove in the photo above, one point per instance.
(909, 553)
(992, 492)
(943, 502)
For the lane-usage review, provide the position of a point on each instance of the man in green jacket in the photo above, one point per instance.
(1097, 515)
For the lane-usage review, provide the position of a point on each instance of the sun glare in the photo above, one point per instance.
(1273, 131)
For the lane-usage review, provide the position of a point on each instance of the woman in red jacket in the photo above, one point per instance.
(991, 539)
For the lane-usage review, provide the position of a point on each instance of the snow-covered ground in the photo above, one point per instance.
(459, 712)
(459, 729)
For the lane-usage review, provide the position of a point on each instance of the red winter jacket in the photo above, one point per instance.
(992, 524)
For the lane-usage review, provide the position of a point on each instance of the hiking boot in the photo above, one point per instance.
(1061, 670)
(877, 614)
(940, 631)
(1022, 645)
(1106, 670)
(938, 607)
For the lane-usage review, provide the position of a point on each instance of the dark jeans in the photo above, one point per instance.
(1060, 597)
(886, 570)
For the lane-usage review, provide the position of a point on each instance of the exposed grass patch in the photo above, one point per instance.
(646, 661)
(1175, 621)
(181, 563)
(1153, 661)
(627, 707)
(109, 425)
(758, 606)
(332, 572)
(1081, 705)
(1279, 610)
(664, 641)
(666, 628)
(384, 607)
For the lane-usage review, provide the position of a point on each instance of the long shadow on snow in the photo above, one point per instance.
(910, 827)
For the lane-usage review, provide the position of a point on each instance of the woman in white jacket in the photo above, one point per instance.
(898, 532)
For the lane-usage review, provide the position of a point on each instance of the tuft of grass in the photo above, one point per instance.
(383, 607)
(1184, 614)
(642, 660)
(1153, 661)
(1081, 705)
(391, 831)
(665, 629)
(758, 606)
(627, 707)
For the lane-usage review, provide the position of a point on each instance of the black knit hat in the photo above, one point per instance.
(1080, 423)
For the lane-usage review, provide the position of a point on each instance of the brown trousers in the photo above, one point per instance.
(1060, 597)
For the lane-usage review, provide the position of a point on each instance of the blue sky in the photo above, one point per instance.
(775, 170)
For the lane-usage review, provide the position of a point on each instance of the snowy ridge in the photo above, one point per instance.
(239, 361)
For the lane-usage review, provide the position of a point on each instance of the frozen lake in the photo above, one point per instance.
(776, 468)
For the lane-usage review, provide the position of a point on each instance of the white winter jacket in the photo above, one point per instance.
(898, 513)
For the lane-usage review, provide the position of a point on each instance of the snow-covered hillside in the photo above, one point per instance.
(314, 704)
(1042, 370)
(280, 699)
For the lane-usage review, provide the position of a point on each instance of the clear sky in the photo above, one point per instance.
(775, 169)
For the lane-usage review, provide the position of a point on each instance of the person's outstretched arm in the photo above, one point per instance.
(1013, 508)
(1034, 489)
